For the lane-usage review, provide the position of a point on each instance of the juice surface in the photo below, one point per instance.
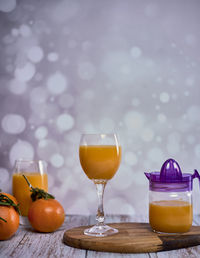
(170, 216)
(21, 190)
(100, 161)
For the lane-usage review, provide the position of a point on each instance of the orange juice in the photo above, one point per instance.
(100, 161)
(170, 216)
(21, 191)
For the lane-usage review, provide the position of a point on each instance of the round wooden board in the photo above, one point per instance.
(132, 238)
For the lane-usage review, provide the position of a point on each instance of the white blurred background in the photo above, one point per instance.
(125, 66)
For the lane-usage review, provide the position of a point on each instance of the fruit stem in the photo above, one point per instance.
(3, 219)
(6, 201)
(37, 193)
(29, 184)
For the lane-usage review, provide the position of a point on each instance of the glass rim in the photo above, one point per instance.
(95, 134)
(100, 136)
(30, 161)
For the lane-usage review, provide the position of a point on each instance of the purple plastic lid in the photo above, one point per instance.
(170, 178)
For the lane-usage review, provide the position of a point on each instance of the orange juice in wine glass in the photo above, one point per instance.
(100, 161)
(100, 156)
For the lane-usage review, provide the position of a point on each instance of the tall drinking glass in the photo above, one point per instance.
(36, 172)
(100, 156)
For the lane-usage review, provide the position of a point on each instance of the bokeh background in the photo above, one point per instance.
(125, 66)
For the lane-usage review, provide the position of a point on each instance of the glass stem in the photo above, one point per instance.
(100, 186)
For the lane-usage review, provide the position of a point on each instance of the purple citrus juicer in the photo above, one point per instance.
(170, 198)
(171, 179)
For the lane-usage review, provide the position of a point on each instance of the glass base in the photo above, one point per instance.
(168, 233)
(23, 221)
(100, 231)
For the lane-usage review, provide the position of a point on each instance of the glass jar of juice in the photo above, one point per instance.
(170, 198)
(36, 172)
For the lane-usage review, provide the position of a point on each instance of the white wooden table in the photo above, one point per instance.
(27, 243)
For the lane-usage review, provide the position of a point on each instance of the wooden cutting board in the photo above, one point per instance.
(132, 238)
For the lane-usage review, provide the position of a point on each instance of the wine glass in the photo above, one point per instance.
(36, 172)
(100, 156)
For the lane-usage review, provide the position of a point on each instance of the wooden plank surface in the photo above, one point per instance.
(27, 243)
